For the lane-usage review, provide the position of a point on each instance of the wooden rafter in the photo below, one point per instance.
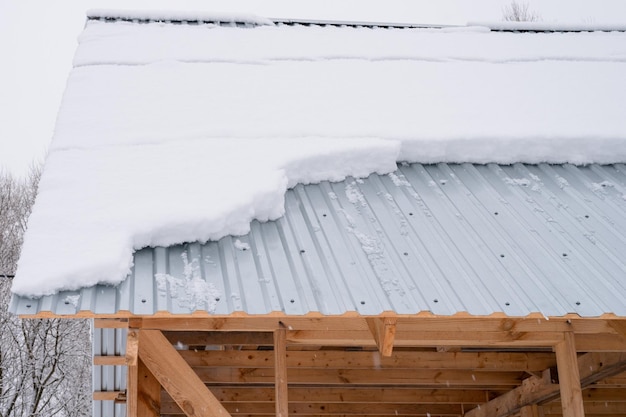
(384, 332)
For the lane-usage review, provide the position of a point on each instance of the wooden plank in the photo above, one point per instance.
(404, 323)
(148, 392)
(189, 338)
(178, 379)
(569, 377)
(280, 370)
(384, 331)
(594, 393)
(108, 395)
(110, 323)
(425, 378)
(353, 395)
(592, 367)
(99, 360)
(314, 408)
(599, 407)
(341, 359)
(132, 347)
(466, 338)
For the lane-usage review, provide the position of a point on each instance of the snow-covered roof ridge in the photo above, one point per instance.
(511, 26)
(177, 16)
(170, 133)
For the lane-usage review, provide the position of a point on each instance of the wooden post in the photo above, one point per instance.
(569, 377)
(384, 332)
(132, 347)
(280, 374)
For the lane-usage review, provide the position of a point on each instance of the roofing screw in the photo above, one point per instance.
(362, 302)
(302, 251)
(324, 215)
(66, 302)
(143, 300)
(28, 306)
(435, 301)
(586, 216)
(496, 213)
(501, 255)
(410, 214)
(507, 304)
(565, 254)
(217, 299)
(406, 253)
(292, 301)
(577, 303)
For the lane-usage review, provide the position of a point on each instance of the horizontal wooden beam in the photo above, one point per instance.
(314, 408)
(353, 395)
(424, 378)
(403, 323)
(99, 360)
(109, 396)
(341, 359)
(190, 338)
(596, 407)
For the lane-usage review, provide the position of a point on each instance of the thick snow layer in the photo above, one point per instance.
(173, 133)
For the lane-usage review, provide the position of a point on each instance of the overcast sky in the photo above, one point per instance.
(38, 39)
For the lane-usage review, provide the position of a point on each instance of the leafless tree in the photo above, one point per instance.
(519, 12)
(44, 363)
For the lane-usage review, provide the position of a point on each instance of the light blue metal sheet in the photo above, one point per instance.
(109, 342)
(446, 238)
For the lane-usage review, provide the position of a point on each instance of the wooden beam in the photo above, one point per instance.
(342, 394)
(178, 379)
(109, 360)
(189, 338)
(434, 378)
(601, 407)
(132, 347)
(280, 371)
(108, 395)
(384, 332)
(315, 408)
(569, 377)
(592, 367)
(342, 359)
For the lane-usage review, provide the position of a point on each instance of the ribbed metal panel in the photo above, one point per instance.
(109, 342)
(444, 238)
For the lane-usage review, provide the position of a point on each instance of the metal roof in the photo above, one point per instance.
(443, 238)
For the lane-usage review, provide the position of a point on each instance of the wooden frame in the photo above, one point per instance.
(374, 366)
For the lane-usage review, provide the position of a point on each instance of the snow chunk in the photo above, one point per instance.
(241, 245)
(191, 291)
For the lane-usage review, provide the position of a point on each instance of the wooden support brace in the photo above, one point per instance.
(591, 368)
(569, 377)
(384, 332)
(175, 375)
(280, 373)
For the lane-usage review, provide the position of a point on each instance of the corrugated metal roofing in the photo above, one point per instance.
(443, 238)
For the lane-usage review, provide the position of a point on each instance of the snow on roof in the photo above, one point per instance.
(180, 133)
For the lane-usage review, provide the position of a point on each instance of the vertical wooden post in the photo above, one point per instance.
(569, 377)
(280, 373)
(132, 347)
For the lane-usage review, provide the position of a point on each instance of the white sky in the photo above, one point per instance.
(38, 39)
